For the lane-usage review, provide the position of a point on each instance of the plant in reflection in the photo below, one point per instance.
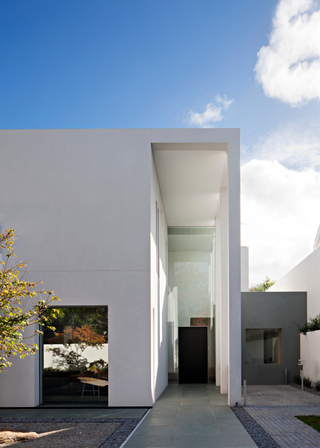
(99, 367)
(71, 344)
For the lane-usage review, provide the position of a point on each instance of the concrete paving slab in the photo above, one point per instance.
(191, 416)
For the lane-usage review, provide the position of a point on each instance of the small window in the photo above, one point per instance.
(263, 346)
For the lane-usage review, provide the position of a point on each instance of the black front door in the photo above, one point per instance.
(193, 354)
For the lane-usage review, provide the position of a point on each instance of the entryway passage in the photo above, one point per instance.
(190, 416)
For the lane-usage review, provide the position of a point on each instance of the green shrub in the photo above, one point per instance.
(313, 324)
(316, 385)
(297, 379)
(307, 382)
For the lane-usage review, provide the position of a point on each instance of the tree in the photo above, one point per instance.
(266, 284)
(17, 310)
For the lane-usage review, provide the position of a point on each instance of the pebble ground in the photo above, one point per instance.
(71, 433)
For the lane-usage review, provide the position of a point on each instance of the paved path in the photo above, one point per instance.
(191, 416)
(274, 408)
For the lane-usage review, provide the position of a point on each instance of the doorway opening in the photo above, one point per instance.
(191, 300)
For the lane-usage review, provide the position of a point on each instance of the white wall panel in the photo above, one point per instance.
(80, 204)
(304, 277)
(159, 351)
(309, 346)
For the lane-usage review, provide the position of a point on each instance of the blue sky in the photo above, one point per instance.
(107, 64)
(140, 64)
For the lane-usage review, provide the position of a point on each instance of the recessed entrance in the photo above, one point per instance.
(191, 307)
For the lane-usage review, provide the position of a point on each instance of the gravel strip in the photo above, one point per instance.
(255, 431)
(76, 432)
(120, 435)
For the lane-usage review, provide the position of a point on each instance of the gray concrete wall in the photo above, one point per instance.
(274, 310)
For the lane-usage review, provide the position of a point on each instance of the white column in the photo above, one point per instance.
(224, 322)
(218, 299)
(234, 386)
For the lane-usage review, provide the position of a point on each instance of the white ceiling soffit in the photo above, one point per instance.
(190, 177)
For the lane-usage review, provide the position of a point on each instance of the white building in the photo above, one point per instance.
(138, 232)
(305, 276)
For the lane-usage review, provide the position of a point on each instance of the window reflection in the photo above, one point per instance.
(75, 356)
(263, 346)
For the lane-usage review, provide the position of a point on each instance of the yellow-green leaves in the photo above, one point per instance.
(17, 311)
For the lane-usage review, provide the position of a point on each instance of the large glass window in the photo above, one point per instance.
(75, 356)
(263, 346)
(191, 288)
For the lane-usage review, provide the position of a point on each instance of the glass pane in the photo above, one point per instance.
(191, 288)
(271, 347)
(254, 347)
(75, 356)
(263, 346)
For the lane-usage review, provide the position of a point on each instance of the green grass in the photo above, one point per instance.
(311, 420)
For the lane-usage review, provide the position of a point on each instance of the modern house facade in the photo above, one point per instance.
(138, 232)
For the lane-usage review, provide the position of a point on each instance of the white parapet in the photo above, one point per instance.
(309, 346)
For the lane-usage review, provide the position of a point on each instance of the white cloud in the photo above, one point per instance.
(289, 67)
(280, 216)
(212, 114)
(296, 146)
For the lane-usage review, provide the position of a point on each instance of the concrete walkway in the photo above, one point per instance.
(275, 408)
(191, 416)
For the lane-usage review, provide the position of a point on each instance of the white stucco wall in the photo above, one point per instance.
(309, 346)
(80, 203)
(304, 277)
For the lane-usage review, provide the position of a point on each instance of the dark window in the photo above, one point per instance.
(263, 346)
